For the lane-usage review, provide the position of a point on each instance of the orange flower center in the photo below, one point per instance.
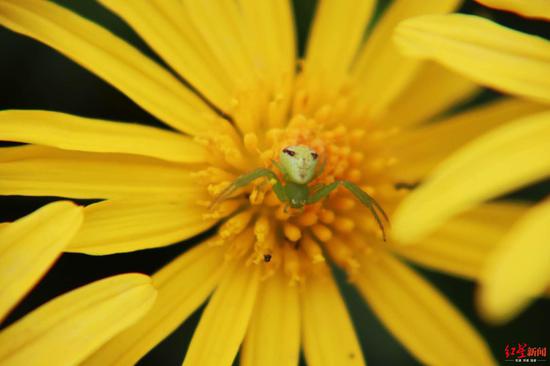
(255, 224)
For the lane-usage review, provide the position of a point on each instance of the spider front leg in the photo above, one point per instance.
(322, 192)
(368, 201)
(361, 195)
(246, 179)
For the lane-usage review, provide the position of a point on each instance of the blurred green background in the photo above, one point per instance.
(35, 77)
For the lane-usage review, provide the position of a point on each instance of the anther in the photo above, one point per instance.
(312, 249)
(257, 196)
(308, 218)
(261, 228)
(236, 224)
(321, 232)
(241, 245)
(292, 232)
(223, 209)
(291, 264)
(354, 175)
(343, 204)
(282, 214)
(342, 255)
(326, 216)
(344, 225)
(271, 199)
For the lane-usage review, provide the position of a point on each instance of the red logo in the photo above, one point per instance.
(523, 352)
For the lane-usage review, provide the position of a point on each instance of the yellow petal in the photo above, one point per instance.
(65, 330)
(531, 8)
(273, 336)
(218, 25)
(224, 322)
(29, 246)
(41, 171)
(328, 334)
(112, 59)
(519, 269)
(116, 226)
(70, 132)
(433, 91)
(269, 27)
(462, 245)
(502, 160)
(163, 25)
(183, 285)
(418, 315)
(335, 38)
(381, 70)
(486, 52)
(419, 150)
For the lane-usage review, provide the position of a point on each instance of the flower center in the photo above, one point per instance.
(256, 224)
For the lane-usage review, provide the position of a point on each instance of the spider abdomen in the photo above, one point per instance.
(297, 194)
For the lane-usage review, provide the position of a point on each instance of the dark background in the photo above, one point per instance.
(32, 76)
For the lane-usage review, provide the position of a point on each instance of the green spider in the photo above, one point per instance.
(298, 165)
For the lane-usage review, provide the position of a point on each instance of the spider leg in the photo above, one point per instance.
(322, 192)
(370, 202)
(314, 188)
(279, 190)
(405, 185)
(246, 179)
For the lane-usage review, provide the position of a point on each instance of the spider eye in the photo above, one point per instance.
(314, 155)
(289, 152)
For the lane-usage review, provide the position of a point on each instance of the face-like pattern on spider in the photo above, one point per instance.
(299, 163)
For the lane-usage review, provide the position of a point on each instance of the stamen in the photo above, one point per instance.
(235, 225)
(342, 255)
(344, 225)
(322, 232)
(271, 199)
(282, 213)
(326, 216)
(343, 203)
(212, 175)
(257, 195)
(291, 264)
(354, 175)
(264, 250)
(308, 218)
(223, 209)
(215, 189)
(261, 228)
(292, 232)
(241, 245)
(312, 249)
(231, 151)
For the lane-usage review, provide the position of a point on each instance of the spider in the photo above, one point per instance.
(298, 165)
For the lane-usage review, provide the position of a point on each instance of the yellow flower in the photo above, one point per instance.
(498, 162)
(361, 106)
(58, 333)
